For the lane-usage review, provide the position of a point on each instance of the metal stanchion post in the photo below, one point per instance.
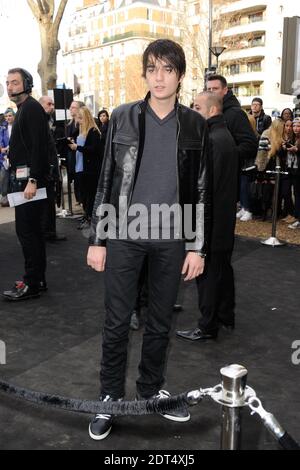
(234, 381)
(273, 241)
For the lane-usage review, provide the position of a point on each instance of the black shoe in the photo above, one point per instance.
(42, 286)
(179, 415)
(134, 321)
(196, 335)
(227, 327)
(101, 424)
(21, 291)
(177, 308)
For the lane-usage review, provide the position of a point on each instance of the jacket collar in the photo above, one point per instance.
(144, 103)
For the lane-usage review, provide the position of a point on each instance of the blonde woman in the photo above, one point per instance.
(270, 148)
(88, 160)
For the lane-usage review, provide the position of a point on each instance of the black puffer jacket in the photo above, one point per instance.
(241, 130)
(122, 159)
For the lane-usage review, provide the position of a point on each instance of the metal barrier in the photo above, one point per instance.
(273, 240)
(233, 394)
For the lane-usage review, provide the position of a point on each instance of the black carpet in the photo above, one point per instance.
(53, 345)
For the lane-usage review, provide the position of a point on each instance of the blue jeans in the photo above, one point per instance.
(245, 197)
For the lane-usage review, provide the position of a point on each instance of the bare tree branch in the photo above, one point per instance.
(46, 6)
(34, 8)
(59, 14)
(41, 7)
(44, 12)
(52, 7)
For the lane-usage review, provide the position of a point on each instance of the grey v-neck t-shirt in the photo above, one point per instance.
(157, 179)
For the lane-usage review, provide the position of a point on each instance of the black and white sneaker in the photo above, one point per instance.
(180, 415)
(101, 424)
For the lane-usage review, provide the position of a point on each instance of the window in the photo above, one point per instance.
(257, 41)
(254, 66)
(254, 17)
(234, 69)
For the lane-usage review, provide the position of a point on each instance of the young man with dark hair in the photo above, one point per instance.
(263, 121)
(28, 157)
(155, 155)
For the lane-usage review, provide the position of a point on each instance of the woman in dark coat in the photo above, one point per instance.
(89, 156)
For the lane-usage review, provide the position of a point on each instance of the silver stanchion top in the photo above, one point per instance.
(234, 381)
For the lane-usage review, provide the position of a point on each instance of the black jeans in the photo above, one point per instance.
(124, 263)
(49, 216)
(30, 233)
(216, 293)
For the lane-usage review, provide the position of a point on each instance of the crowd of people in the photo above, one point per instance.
(151, 153)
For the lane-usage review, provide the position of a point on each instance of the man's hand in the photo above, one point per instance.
(30, 191)
(73, 147)
(96, 258)
(193, 266)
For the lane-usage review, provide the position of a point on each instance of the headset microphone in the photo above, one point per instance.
(13, 95)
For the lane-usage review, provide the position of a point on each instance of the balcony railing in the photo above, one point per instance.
(131, 34)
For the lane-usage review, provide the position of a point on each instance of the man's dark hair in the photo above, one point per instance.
(167, 50)
(221, 79)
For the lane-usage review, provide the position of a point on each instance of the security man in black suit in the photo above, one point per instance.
(216, 293)
(28, 156)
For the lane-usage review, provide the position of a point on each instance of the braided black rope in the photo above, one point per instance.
(140, 407)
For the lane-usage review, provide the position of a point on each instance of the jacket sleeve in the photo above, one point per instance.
(97, 237)
(204, 189)
(244, 137)
(36, 125)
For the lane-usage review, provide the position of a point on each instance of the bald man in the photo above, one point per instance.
(49, 217)
(216, 285)
(48, 104)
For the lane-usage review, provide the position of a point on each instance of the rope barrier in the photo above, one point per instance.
(233, 394)
(117, 408)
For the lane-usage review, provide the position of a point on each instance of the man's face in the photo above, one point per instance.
(74, 109)
(256, 107)
(200, 105)
(49, 106)
(216, 87)
(162, 80)
(14, 85)
(9, 117)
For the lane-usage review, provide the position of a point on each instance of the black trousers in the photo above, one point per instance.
(216, 293)
(124, 263)
(89, 189)
(49, 216)
(30, 234)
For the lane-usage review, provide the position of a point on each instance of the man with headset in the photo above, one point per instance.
(28, 156)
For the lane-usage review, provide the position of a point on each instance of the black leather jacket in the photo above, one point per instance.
(122, 159)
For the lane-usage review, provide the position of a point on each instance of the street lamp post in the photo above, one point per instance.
(210, 8)
(217, 51)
